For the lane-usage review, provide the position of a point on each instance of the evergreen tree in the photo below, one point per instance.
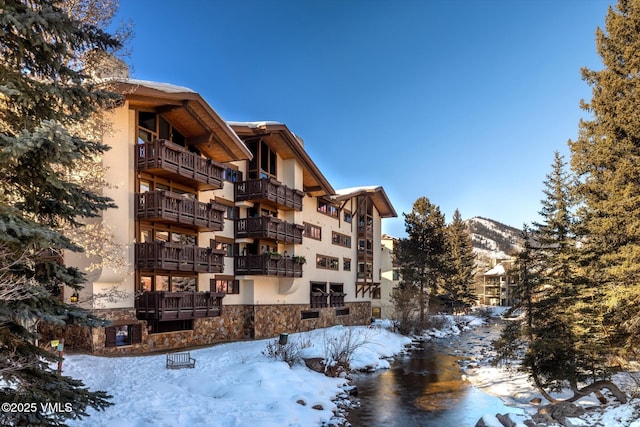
(606, 159)
(553, 358)
(459, 280)
(548, 338)
(421, 255)
(44, 92)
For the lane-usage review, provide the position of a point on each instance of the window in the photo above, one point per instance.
(342, 312)
(168, 283)
(230, 212)
(365, 272)
(319, 295)
(347, 217)
(376, 312)
(327, 208)
(341, 239)
(159, 232)
(225, 285)
(232, 175)
(312, 231)
(225, 245)
(120, 335)
(152, 126)
(368, 244)
(327, 262)
(396, 274)
(376, 294)
(336, 287)
(264, 162)
(183, 284)
(346, 264)
(310, 315)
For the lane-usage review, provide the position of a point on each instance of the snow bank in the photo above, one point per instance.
(232, 384)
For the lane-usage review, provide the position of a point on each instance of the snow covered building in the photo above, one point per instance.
(230, 230)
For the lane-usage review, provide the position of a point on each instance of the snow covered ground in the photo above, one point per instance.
(237, 384)
(231, 385)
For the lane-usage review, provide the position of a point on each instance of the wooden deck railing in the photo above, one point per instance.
(167, 206)
(177, 257)
(336, 299)
(268, 189)
(268, 227)
(163, 157)
(164, 306)
(319, 299)
(267, 265)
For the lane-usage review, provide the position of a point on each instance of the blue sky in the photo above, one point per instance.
(460, 101)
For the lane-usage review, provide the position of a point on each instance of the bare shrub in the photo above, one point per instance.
(483, 312)
(291, 352)
(339, 350)
(405, 307)
(437, 322)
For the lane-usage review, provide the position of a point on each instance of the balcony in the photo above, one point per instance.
(268, 227)
(163, 306)
(171, 256)
(269, 190)
(267, 265)
(168, 207)
(166, 159)
(336, 299)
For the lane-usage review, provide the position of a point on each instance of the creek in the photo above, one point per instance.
(425, 387)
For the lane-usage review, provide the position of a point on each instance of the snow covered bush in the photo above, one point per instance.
(290, 352)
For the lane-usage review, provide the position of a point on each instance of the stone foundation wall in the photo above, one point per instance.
(236, 323)
(272, 320)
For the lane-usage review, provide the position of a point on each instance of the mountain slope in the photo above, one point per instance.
(492, 239)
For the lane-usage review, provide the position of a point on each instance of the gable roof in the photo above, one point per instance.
(189, 113)
(377, 195)
(288, 146)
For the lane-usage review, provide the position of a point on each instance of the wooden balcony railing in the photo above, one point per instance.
(166, 206)
(336, 299)
(177, 257)
(268, 227)
(267, 265)
(319, 299)
(164, 158)
(268, 189)
(164, 306)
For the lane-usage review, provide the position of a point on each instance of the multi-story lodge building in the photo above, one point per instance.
(498, 284)
(231, 232)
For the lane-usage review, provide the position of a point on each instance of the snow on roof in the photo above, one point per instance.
(345, 191)
(253, 125)
(498, 270)
(163, 87)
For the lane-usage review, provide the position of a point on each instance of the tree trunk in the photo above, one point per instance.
(578, 394)
(597, 387)
(542, 391)
(421, 305)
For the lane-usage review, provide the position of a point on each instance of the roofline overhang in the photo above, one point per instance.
(180, 97)
(268, 128)
(377, 194)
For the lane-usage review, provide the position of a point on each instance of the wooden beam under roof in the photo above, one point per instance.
(189, 113)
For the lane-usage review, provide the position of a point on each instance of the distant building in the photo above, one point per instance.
(498, 284)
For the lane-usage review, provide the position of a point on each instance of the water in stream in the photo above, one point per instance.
(426, 388)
